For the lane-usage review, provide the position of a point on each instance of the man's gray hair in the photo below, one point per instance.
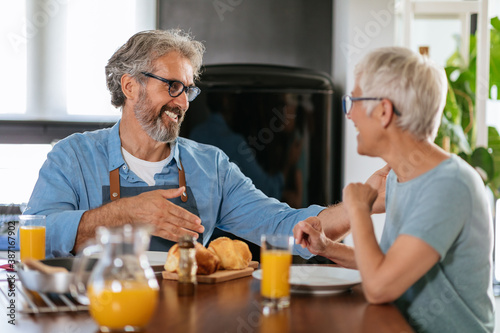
(141, 50)
(416, 86)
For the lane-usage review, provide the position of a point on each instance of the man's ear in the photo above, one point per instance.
(386, 113)
(130, 87)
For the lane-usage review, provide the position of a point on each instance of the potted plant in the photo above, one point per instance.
(457, 132)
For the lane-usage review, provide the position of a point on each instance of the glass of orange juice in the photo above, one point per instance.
(275, 261)
(32, 236)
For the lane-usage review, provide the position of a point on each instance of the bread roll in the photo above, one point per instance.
(172, 259)
(207, 262)
(233, 254)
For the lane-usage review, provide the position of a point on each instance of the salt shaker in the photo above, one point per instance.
(187, 266)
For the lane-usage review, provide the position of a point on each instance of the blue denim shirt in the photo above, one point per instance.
(71, 181)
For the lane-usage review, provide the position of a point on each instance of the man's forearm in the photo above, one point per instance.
(111, 214)
(335, 222)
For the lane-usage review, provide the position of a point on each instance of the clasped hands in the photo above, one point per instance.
(368, 198)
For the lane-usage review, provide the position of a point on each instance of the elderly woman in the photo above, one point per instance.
(435, 256)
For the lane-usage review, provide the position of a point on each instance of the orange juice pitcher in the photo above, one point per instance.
(122, 290)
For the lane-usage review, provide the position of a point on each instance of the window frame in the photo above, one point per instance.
(46, 105)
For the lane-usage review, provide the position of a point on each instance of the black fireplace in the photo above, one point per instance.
(277, 123)
(273, 121)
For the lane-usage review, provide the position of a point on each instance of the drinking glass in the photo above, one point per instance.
(276, 258)
(32, 236)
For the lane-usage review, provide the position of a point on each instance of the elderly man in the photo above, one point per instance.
(435, 256)
(140, 171)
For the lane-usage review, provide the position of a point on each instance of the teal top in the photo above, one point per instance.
(447, 208)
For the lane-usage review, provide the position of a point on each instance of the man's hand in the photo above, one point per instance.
(170, 220)
(309, 233)
(377, 181)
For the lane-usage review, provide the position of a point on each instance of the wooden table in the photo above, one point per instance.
(233, 306)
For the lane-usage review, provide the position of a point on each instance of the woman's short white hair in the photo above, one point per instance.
(414, 84)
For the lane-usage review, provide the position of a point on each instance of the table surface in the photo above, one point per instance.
(234, 306)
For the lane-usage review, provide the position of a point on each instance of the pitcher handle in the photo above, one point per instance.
(78, 284)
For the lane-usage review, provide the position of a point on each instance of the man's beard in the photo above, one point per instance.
(153, 124)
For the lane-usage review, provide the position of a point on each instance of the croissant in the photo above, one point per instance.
(233, 254)
(207, 262)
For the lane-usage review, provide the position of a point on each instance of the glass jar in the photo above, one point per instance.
(122, 290)
(187, 266)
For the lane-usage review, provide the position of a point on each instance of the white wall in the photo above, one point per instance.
(359, 27)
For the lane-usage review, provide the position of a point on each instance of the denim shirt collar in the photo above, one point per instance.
(114, 148)
(174, 151)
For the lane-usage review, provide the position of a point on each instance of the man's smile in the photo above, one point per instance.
(173, 116)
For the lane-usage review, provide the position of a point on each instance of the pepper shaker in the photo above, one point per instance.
(187, 266)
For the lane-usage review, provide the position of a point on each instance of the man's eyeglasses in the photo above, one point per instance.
(348, 101)
(175, 88)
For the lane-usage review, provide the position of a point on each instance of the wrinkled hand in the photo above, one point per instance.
(377, 181)
(357, 196)
(309, 233)
(170, 220)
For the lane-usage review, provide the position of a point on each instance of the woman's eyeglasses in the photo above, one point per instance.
(348, 101)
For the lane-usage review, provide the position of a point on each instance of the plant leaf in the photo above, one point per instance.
(460, 139)
(455, 61)
(465, 157)
(494, 148)
(483, 160)
(495, 56)
(495, 22)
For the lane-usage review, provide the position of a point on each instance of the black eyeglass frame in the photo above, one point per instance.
(191, 92)
(355, 99)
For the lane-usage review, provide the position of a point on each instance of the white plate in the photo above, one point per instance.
(319, 280)
(157, 258)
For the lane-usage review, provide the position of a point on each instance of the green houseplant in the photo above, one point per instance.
(457, 132)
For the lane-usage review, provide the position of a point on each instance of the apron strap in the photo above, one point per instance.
(114, 184)
(182, 182)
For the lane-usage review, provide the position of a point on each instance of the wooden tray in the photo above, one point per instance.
(219, 276)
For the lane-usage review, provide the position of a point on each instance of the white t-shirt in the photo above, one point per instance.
(144, 169)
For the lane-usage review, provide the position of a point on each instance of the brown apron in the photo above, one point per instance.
(114, 183)
(186, 201)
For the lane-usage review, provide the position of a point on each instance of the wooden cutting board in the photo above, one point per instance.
(219, 276)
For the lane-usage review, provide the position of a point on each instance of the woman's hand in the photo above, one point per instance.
(359, 197)
(377, 181)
